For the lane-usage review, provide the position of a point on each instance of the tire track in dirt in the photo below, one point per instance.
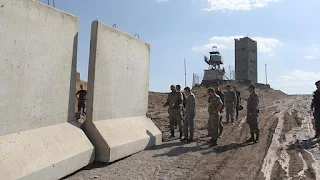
(241, 160)
(292, 162)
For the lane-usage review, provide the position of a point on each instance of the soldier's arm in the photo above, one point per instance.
(222, 98)
(77, 95)
(255, 101)
(313, 102)
(192, 105)
(167, 103)
(179, 100)
(220, 105)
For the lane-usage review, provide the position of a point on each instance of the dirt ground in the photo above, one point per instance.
(286, 149)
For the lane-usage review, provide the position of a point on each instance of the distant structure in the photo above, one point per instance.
(214, 72)
(78, 76)
(246, 59)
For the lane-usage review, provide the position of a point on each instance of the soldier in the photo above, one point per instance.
(238, 101)
(221, 95)
(81, 99)
(173, 101)
(315, 108)
(230, 100)
(183, 103)
(214, 109)
(252, 114)
(190, 112)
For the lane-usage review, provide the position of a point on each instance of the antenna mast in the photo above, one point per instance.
(185, 73)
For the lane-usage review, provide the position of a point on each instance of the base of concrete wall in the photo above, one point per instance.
(50, 152)
(115, 139)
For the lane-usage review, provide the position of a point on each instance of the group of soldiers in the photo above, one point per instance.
(181, 107)
(182, 111)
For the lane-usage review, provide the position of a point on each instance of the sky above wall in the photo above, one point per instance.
(287, 33)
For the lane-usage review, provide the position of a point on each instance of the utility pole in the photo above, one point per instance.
(266, 74)
(230, 71)
(185, 73)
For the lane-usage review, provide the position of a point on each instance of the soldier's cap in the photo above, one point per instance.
(172, 87)
(252, 86)
(210, 89)
(216, 83)
(318, 82)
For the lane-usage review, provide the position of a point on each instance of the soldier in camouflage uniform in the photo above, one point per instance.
(230, 100)
(221, 95)
(183, 103)
(173, 101)
(238, 102)
(252, 114)
(214, 109)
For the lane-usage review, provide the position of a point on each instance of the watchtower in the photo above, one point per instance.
(246, 59)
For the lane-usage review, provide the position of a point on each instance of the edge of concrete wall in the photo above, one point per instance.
(50, 152)
(116, 138)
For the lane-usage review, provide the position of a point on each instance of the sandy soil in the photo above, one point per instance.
(285, 151)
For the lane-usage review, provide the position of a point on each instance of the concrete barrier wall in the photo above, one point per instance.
(118, 88)
(38, 47)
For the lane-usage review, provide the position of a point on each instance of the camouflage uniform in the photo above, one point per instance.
(237, 103)
(252, 115)
(182, 105)
(214, 117)
(174, 101)
(315, 108)
(221, 95)
(230, 98)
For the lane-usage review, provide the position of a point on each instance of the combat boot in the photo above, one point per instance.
(251, 138)
(257, 137)
(213, 143)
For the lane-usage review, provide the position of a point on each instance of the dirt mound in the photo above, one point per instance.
(285, 150)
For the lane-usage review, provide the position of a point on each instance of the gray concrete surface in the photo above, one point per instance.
(38, 47)
(118, 87)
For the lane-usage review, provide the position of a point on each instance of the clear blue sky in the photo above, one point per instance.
(287, 32)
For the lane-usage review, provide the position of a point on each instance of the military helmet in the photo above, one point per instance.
(252, 86)
(318, 82)
(210, 89)
(172, 87)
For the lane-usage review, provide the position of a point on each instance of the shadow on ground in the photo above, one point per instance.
(304, 144)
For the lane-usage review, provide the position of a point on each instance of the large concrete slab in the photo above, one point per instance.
(118, 88)
(38, 47)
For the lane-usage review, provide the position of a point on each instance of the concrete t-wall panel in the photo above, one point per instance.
(38, 47)
(118, 88)
(37, 59)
